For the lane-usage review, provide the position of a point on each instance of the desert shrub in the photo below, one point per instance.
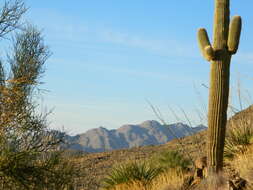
(29, 151)
(173, 160)
(239, 137)
(142, 172)
(169, 180)
(244, 166)
(29, 156)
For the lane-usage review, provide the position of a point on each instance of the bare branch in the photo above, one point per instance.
(10, 16)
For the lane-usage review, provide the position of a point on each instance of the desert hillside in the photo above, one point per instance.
(95, 166)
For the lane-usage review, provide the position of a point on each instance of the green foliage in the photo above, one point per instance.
(126, 173)
(23, 170)
(239, 137)
(173, 160)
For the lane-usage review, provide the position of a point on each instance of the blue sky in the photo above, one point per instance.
(110, 56)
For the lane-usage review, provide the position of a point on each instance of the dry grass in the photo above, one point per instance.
(135, 185)
(243, 164)
(170, 180)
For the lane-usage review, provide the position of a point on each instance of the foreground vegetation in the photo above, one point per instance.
(30, 155)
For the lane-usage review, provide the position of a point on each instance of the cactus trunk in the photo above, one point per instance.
(217, 112)
(219, 87)
(225, 43)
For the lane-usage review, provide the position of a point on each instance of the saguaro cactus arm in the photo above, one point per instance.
(205, 45)
(234, 34)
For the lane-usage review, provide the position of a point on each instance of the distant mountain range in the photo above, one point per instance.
(127, 136)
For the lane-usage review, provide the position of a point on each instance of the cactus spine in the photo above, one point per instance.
(225, 43)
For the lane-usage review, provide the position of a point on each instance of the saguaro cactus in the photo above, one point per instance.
(225, 43)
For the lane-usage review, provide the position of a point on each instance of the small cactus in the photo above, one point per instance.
(225, 43)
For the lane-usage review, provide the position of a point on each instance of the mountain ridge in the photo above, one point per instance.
(149, 132)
